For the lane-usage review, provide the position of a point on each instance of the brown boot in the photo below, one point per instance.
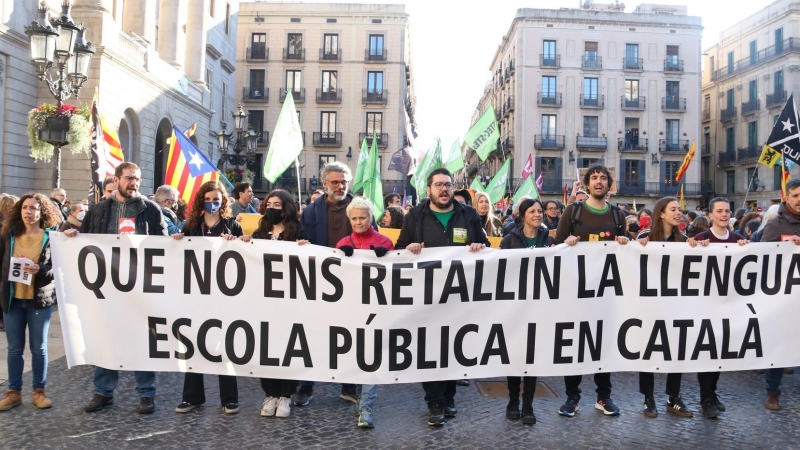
(772, 402)
(10, 400)
(40, 399)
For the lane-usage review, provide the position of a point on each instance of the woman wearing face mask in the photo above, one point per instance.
(491, 224)
(664, 228)
(530, 235)
(74, 218)
(279, 223)
(633, 226)
(210, 216)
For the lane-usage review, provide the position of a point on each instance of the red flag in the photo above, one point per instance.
(528, 169)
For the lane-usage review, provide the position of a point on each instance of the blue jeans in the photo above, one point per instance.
(367, 394)
(774, 377)
(105, 381)
(22, 315)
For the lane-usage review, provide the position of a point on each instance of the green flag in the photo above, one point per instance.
(286, 143)
(373, 188)
(358, 181)
(526, 189)
(497, 187)
(476, 185)
(483, 136)
(432, 160)
(454, 161)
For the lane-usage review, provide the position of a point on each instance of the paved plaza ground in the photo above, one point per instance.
(400, 416)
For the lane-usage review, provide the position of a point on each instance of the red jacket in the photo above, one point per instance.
(362, 241)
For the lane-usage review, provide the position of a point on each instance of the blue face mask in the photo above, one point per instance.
(212, 207)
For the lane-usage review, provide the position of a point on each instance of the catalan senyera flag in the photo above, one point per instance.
(786, 175)
(190, 131)
(113, 149)
(187, 166)
(685, 165)
(106, 153)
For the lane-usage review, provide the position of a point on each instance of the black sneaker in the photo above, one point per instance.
(607, 406)
(98, 402)
(436, 416)
(710, 409)
(146, 405)
(676, 406)
(185, 407)
(512, 410)
(303, 396)
(349, 393)
(231, 408)
(528, 417)
(569, 408)
(450, 408)
(649, 407)
(719, 404)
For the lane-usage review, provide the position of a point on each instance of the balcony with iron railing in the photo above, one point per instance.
(329, 95)
(370, 96)
(375, 55)
(330, 55)
(509, 104)
(549, 100)
(674, 145)
(259, 54)
(297, 55)
(255, 94)
(549, 142)
(673, 65)
(727, 114)
(508, 143)
(327, 139)
(761, 57)
(673, 104)
(631, 187)
(672, 189)
(550, 184)
(706, 115)
(591, 144)
(298, 95)
(383, 139)
(510, 68)
(748, 154)
(591, 62)
(776, 99)
(727, 158)
(263, 138)
(549, 61)
(751, 107)
(592, 102)
(705, 149)
(633, 64)
(632, 145)
(633, 104)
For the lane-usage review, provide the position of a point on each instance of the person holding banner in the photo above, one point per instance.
(532, 234)
(439, 221)
(594, 220)
(210, 216)
(279, 223)
(27, 292)
(491, 224)
(125, 212)
(364, 237)
(664, 228)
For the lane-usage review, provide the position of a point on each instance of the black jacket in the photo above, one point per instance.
(149, 221)
(43, 283)
(420, 226)
(516, 239)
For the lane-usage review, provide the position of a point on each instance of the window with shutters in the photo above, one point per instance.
(730, 180)
(669, 169)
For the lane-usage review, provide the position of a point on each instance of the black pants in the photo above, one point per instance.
(647, 384)
(708, 384)
(194, 391)
(278, 388)
(439, 392)
(528, 388)
(602, 380)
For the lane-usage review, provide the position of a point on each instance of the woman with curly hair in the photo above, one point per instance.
(25, 234)
(210, 216)
(7, 202)
(491, 224)
(392, 218)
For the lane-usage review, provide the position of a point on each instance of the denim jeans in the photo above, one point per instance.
(22, 315)
(367, 394)
(774, 377)
(105, 381)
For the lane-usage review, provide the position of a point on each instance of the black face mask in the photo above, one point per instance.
(274, 216)
(633, 227)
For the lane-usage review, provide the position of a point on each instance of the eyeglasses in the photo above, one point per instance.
(552, 208)
(130, 178)
(441, 186)
(336, 183)
(170, 201)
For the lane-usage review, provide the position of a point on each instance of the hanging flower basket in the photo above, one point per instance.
(49, 125)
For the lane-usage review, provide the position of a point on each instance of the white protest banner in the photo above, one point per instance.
(279, 310)
(16, 270)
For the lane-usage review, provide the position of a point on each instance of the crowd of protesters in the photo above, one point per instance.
(334, 218)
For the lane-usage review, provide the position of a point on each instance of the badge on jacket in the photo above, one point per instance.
(127, 226)
(460, 235)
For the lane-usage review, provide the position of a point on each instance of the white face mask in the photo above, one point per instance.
(81, 215)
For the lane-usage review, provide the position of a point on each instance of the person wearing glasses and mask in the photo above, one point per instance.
(551, 212)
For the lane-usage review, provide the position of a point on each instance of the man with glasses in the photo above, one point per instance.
(326, 223)
(441, 222)
(551, 214)
(167, 198)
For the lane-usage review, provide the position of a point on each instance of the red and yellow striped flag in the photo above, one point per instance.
(685, 165)
(785, 177)
(190, 131)
(179, 174)
(113, 152)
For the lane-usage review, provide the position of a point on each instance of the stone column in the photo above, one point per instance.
(196, 28)
(171, 35)
(139, 18)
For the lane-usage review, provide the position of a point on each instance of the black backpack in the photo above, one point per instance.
(619, 218)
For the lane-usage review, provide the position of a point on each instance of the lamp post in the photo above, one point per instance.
(245, 142)
(60, 41)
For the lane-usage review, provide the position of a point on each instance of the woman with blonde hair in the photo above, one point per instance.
(491, 224)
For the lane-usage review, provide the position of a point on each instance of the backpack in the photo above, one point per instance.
(619, 218)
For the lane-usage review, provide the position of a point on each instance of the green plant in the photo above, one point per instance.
(78, 136)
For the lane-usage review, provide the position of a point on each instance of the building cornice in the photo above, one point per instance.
(14, 36)
(213, 52)
(227, 66)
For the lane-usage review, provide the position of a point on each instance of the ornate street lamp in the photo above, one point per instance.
(245, 142)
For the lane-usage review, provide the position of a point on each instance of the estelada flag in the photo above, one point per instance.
(685, 164)
(187, 167)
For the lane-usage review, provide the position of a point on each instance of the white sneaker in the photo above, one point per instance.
(268, 407)
(284, 407)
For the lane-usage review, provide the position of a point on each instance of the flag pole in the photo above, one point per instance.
(748, 188)
(299, 194)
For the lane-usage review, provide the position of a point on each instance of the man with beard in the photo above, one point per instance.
(440, 222)
(126, 212)
(593, 220)
(326, 223)
(167, 198)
